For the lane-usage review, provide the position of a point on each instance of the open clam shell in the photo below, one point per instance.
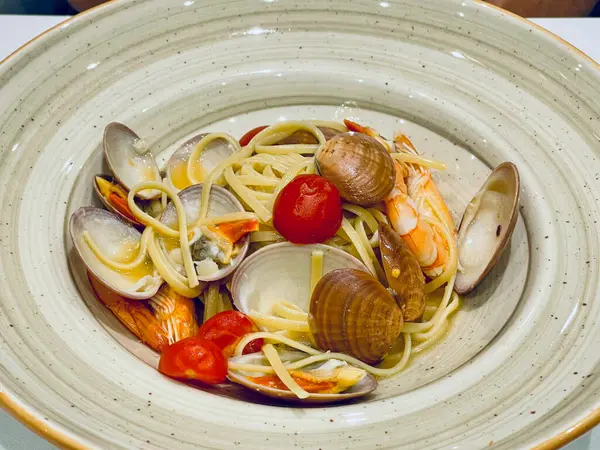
(283, 272)
(128, 160)
(403, 273)
(119, 241)
(487, 225)
(215, 152)
(221, 202)
(365, 386)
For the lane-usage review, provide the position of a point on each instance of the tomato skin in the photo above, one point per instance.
(226, 329)
(196, 359)
(245, 139)
(308, 210)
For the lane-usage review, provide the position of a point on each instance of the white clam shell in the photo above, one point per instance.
(128, 164)
(365, 386)
(282, 272)
(487, 226)
(113, 237)
(215, 152)
(221, 202)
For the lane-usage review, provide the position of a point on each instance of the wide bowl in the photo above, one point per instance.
(470, 84)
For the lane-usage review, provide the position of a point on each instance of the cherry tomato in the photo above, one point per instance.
(194, 358)
(245, 139)
(226, 329)
(308, 210)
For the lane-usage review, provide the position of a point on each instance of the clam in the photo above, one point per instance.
(359, 166)
(360, 383)
(283, 272)
(129, 159)
(304, 137)
(353, 313)
(177, 167)
(403, 273)
(118, 241)
(487, 225)
(107, 189)
(214, 252)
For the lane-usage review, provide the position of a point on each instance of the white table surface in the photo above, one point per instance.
(16, 30)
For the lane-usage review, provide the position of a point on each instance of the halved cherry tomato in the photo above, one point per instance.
(194, 358)
(308, 210)
(245, 139)
(226, 329)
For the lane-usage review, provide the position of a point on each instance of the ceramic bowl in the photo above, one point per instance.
(470, 84)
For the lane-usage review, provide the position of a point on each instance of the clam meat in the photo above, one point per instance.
(330, 382)
(217, 249)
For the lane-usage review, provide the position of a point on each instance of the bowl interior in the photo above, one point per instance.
(471, 86)
(483, 313)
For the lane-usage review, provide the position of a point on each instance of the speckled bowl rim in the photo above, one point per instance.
(62, 440)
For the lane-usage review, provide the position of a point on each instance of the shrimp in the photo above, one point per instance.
(134, 314)
(175, 313)
(165, 319)
(412, 205)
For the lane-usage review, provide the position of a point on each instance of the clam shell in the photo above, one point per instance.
(221, 202)
(359, 166)
(487, 225)
(112, 236)
(215, 152)
(282, 272)
(108, 205)
(353, 313)
(403, 273)
(128, 165)
(304, 137)
(365, 386)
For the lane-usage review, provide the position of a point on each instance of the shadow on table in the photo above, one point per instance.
(44, 7)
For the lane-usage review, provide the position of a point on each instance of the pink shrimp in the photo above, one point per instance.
(414, 199)
(165, 319)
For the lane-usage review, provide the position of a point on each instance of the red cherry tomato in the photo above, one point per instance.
(308, 210)
(226, 329)
(245, 139)
(194, 358)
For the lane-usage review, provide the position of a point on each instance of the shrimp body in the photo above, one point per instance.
(412, 205)
(134, 314)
